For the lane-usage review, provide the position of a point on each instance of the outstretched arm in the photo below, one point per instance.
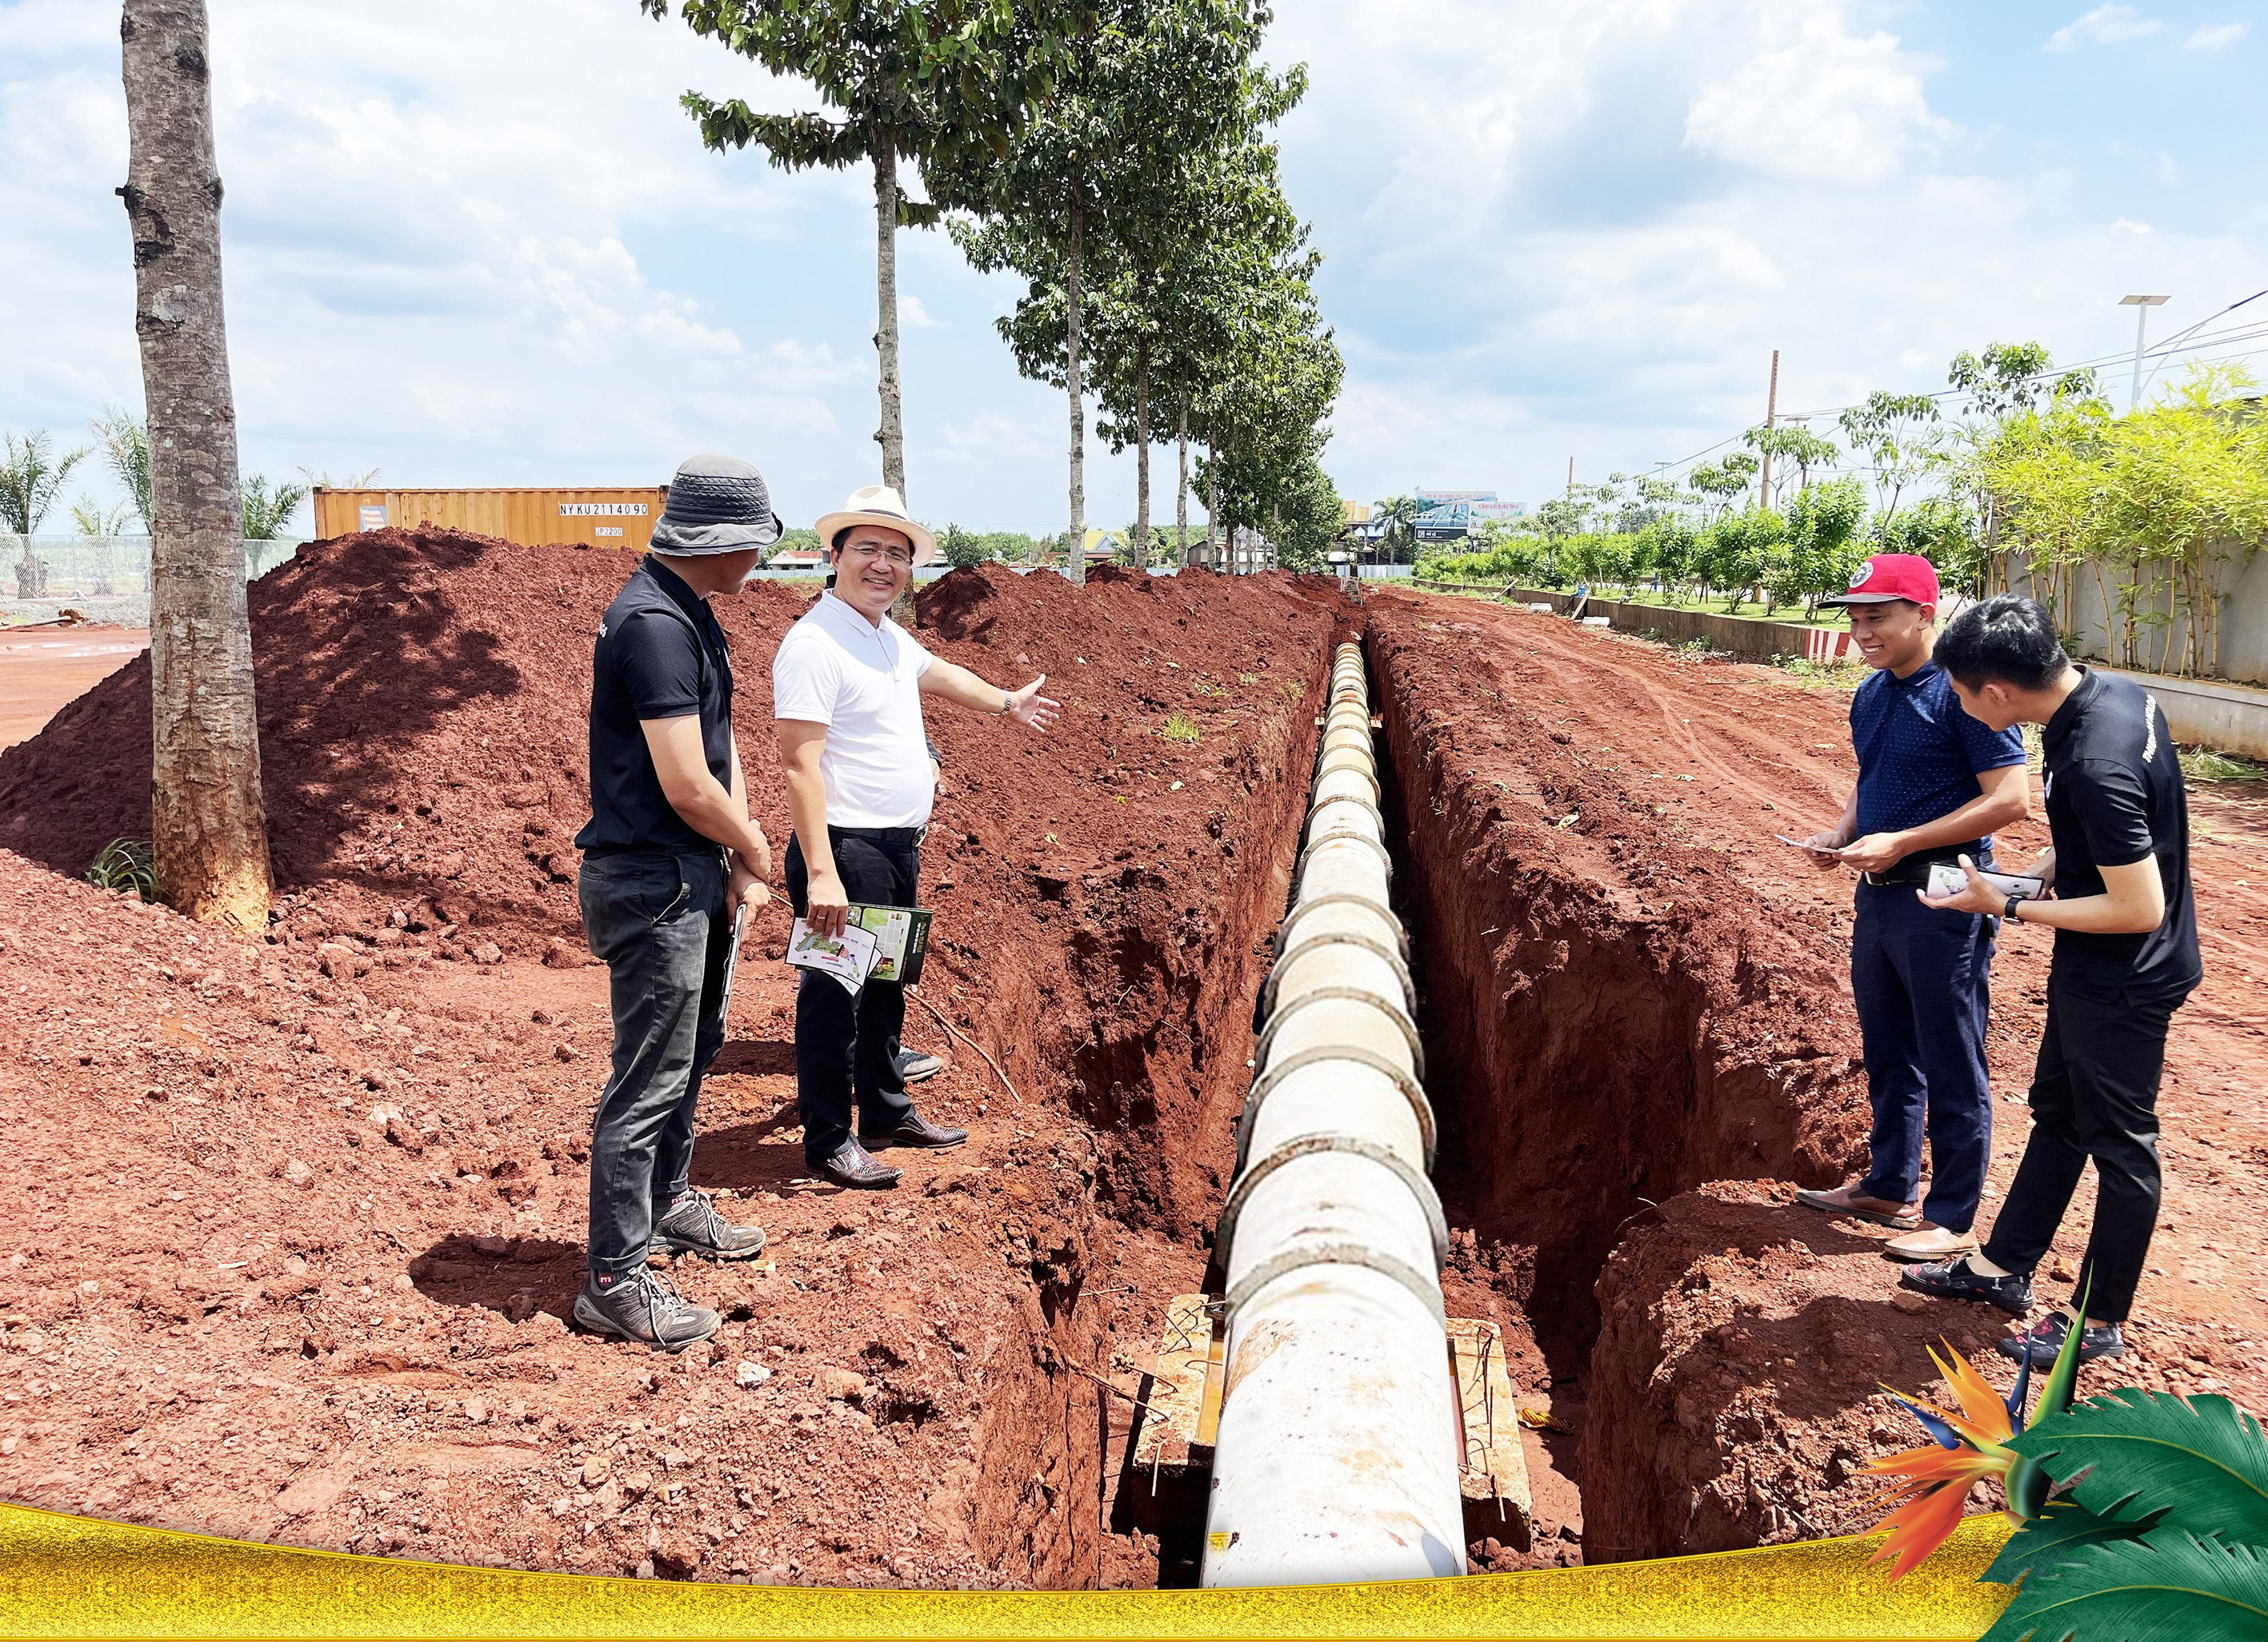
(959, 685)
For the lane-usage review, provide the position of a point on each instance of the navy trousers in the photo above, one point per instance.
(1921, 979)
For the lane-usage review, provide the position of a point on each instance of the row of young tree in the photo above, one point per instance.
(1116, 155)
(34, 473)
(2020, 475)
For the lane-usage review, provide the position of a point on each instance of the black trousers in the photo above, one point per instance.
(2094, 1094)
(845, 1048)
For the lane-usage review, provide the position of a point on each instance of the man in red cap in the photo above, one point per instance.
(1933, 784)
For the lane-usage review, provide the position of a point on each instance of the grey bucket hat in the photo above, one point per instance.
(717, 504)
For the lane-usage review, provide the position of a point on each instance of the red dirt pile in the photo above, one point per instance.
(423, 702)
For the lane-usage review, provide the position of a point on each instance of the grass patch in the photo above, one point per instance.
(126, 864)
(1824, 675)
(1181, 727)
(2205, 763)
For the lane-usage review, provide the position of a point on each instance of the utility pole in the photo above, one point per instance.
(1570, 478)
(2142, 306)
(1772, 414)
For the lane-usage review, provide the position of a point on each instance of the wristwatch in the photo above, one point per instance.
(1007, 702)
(2008, 912)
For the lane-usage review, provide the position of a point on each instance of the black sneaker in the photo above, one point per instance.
(693, 1227)
(916, 1130)
(2044, 1339)
(853, 1166)
(1954, 1280)
(915, 1065)
(640, 1306)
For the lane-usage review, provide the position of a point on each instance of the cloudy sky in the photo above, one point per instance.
(476, 242)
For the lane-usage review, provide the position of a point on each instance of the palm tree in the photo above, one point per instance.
(1397, 521)
(30, 480)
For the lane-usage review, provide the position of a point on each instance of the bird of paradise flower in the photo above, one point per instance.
(1934, 1484)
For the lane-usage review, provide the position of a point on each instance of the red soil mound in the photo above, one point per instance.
(423, 704)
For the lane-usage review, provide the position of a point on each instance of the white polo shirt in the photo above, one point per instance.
(835, 668)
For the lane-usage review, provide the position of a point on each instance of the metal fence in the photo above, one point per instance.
(101, 567)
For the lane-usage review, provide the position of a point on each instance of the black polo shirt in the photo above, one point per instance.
(2114, 798)
(660, 654)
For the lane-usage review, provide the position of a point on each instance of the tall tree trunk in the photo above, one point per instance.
(1142, 454)
(1181, 486)
(892, 434)
(208, 826)
(1078, 566)
(1213, 505)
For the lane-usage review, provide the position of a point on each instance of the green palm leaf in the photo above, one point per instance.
(2202, 1459)
(2063, 1526)
(2170, 1587)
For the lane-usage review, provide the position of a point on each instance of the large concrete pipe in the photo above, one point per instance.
(1338, 1450)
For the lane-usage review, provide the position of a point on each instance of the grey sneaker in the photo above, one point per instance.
(914, 1065)
(693, 1227)
(641, 1307)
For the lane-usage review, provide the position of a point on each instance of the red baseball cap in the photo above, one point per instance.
(1889, 576)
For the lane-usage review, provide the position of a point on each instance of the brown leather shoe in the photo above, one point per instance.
(1899, 1216)
(1929, 1245)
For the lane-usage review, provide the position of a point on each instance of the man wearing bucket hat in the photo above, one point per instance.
(847, 686)
(670, 856)
(1932, 785)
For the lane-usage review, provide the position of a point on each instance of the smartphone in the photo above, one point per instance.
(1946, 877)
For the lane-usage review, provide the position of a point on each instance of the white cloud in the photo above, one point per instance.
(1825, 104)
(2216, 36)
(913, 315)
(2105, 25)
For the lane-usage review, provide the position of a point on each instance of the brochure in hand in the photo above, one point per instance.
(879, 943)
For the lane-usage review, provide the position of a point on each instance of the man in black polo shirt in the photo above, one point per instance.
(669, 855)
(2125, 958)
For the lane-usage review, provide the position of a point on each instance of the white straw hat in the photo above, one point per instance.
(876, 505)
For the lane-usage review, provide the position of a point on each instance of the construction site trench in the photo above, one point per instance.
(302, 1218)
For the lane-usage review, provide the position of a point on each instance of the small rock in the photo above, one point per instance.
(596, 1470)
(645, 1570)
(403, 1283)
(476, 1411)
(1906, 1301)
(489, 1243)
(840, 1385)
(637, 1485)
(2062, 1270)
(487, 952)
(90, 1289)
(7, 1448)
(565, 1052)
(296, 1173)
(558, 954)
(750, 1373)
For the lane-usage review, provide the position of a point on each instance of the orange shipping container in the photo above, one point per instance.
(621, 516)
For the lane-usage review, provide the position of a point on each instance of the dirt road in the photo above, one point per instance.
(41, 668)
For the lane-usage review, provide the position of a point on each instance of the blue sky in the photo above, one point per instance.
(482, 244)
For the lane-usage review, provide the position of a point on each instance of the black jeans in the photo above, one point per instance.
(843, 1045)
(658, 920)
(2094, 1094)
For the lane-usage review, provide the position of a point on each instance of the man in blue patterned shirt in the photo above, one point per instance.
(1934, 783)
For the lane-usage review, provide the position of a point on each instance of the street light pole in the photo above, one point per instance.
(2142, 306)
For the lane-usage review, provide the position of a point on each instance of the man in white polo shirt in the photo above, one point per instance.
(846, 696)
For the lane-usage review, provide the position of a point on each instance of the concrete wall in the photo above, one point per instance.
(1741, 635)
(2243, 619)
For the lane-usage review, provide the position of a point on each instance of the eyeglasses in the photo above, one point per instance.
(900, 556)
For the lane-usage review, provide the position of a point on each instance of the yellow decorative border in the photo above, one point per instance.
(67, 1576)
